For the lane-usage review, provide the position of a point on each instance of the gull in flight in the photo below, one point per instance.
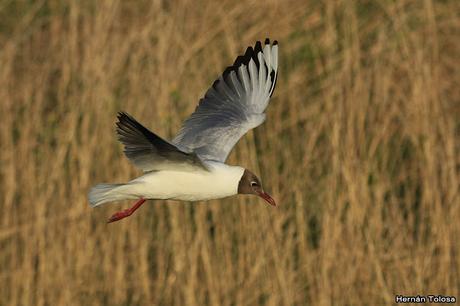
(192, 166)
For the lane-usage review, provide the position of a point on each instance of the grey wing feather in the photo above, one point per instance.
(233, 105)
(150, 152)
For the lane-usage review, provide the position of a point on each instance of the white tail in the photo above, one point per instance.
(103, 193)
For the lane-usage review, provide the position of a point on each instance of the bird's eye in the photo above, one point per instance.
(254, 184)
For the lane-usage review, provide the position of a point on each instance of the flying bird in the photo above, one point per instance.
(192, 166)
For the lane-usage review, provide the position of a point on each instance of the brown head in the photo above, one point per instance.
(250, 184)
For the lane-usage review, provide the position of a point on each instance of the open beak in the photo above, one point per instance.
(267, 198)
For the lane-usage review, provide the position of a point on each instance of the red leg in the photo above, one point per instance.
(127, 212)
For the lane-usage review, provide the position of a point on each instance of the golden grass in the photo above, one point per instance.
(360, 149)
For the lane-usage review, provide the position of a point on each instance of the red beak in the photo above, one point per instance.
(267, 198)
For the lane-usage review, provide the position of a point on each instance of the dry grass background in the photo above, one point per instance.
(360, 149)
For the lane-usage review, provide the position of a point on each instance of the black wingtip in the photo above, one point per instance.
(248, 54)
(258, 47)
(122, 115)
(251, 53)
(125, 122)
(227, 71)
(274, 79)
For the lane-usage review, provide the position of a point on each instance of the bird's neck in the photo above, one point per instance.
(228, 175)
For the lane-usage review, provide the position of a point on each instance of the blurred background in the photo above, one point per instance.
(360, 149)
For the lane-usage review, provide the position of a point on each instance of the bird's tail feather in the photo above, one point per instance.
(103, 193)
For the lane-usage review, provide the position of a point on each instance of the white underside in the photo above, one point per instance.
(220, 181)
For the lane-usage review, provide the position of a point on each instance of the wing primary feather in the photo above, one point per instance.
(244, 77)
(262, 72)
(274, 73)
(254, 79)
(236, 84)
(267, 56)
(275, 55)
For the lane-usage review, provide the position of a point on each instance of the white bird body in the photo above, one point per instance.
(220, 181)
(192, 167)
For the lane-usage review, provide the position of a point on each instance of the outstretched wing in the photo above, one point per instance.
(150, 152)
(233, 105)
